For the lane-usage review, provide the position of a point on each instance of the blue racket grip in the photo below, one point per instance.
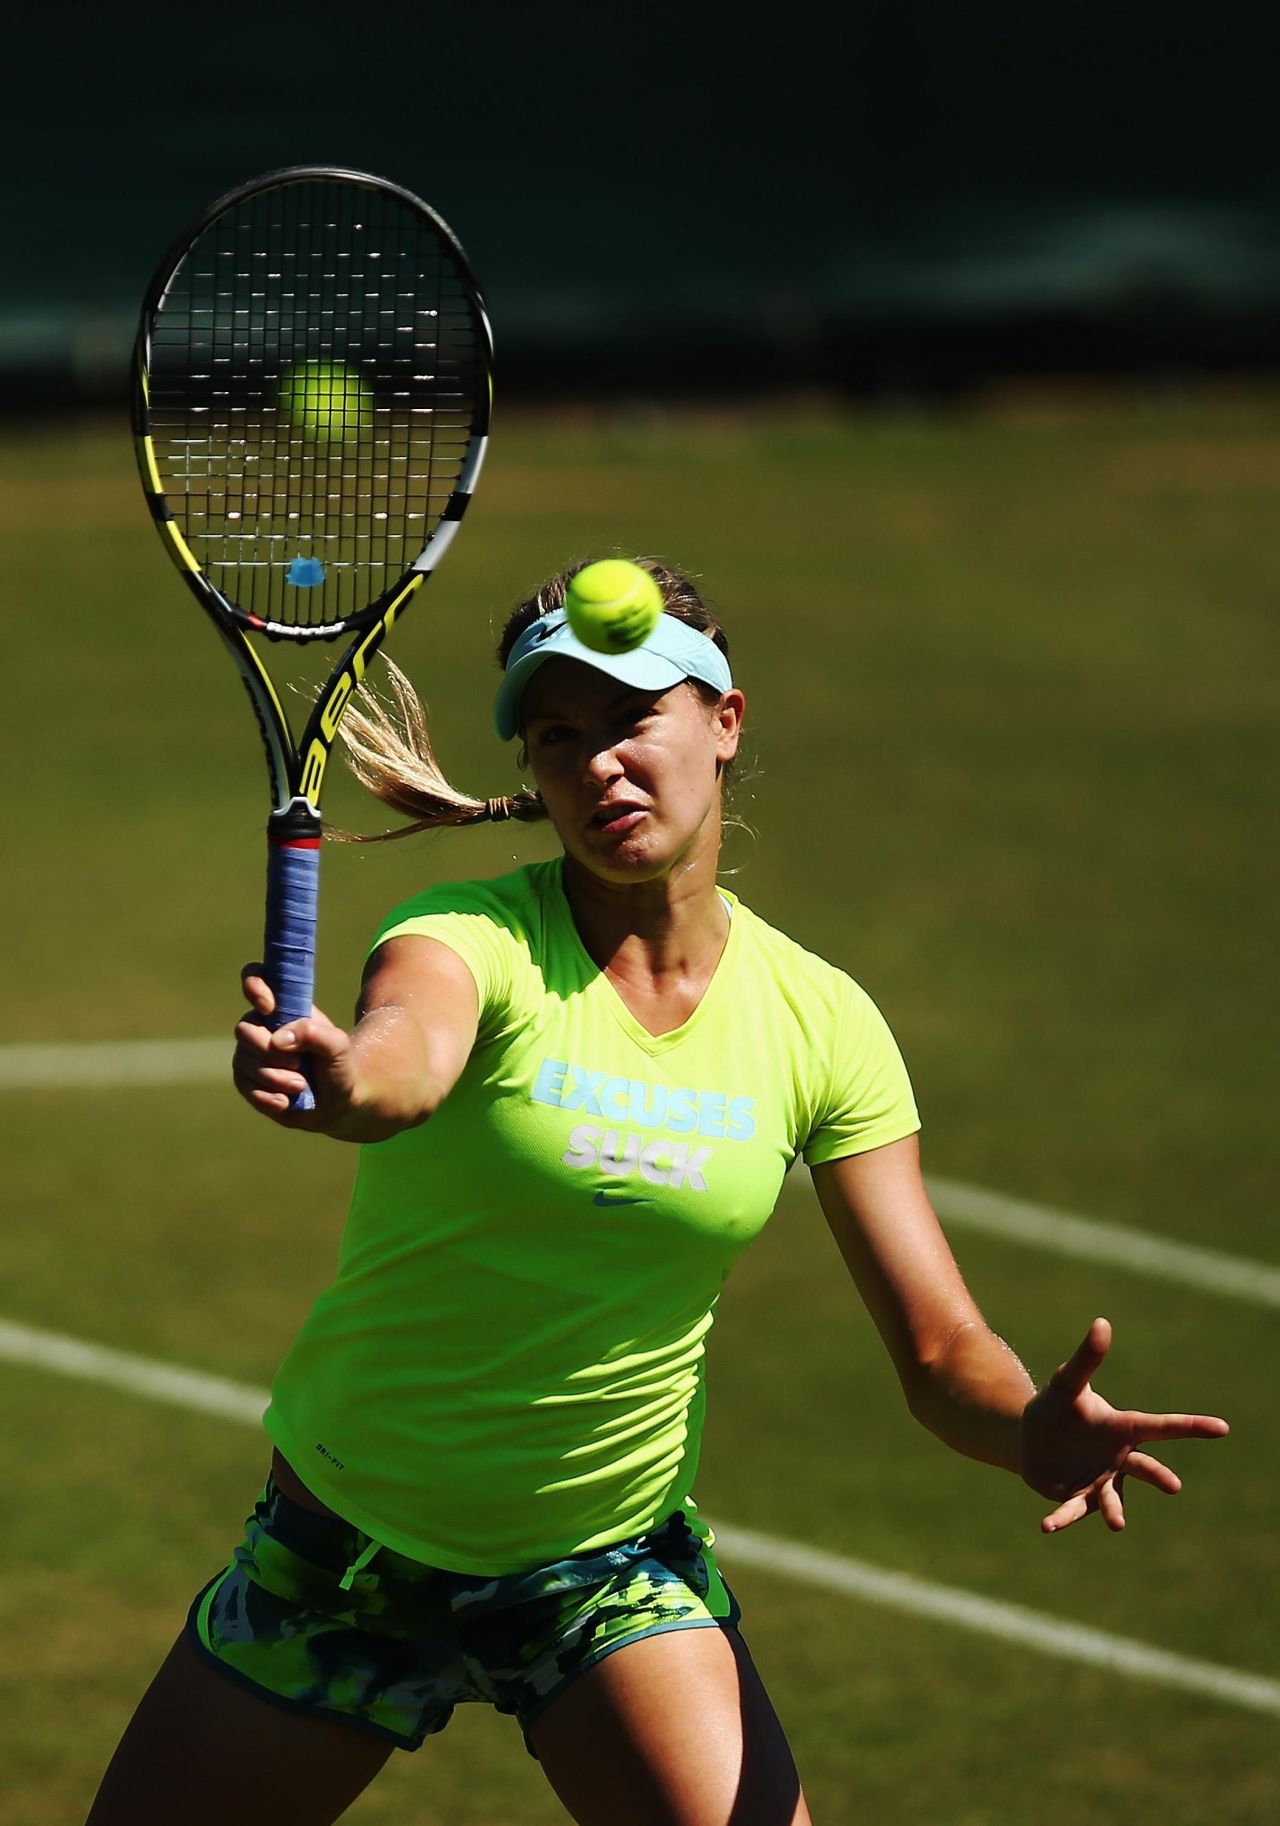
(289, 948)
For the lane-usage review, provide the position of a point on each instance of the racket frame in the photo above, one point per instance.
(296, 768)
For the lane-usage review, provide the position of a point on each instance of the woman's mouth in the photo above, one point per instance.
(616, 820)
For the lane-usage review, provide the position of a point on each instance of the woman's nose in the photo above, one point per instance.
(601, 760)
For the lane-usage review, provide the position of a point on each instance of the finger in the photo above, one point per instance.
(280, 1109)
(1111, 1502)
(252, 1035)
(1173, 1426)
(298, 1036)
(271, 1103)
(257, 990)
(1073, 1510)
(1149, 1470)
(267, 1078)
(1081, 1366)
(315, 1035)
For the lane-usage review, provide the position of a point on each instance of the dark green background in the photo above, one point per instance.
(895, 197)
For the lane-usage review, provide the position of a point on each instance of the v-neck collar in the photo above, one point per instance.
(608, 993)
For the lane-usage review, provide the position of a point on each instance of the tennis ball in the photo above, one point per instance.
(326, 399)
(613, 605)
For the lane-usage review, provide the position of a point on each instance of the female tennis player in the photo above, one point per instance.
(577, 1090)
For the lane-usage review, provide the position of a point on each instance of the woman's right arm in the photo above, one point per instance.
(415, 1026)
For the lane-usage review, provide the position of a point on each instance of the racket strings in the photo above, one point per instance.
(315, 376)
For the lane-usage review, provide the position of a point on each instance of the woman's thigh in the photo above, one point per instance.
(673, 1730)
(204, 1751)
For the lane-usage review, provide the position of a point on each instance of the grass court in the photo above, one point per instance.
(1013, 700)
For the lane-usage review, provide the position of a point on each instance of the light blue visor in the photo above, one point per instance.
(673, 651)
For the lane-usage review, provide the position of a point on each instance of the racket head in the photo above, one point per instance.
(311, 399)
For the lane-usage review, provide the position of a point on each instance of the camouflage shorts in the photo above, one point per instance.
(311, 1613)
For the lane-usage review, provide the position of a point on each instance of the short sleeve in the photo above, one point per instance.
(869, 1100)
(478, 927)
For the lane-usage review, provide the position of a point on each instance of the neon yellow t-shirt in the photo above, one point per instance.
(508, 1367)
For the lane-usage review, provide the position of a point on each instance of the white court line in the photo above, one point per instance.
(135, 1063)
(989, 1617)
(118, 1369)
(1087, 1240)
(100, 1065)
(806, 1565)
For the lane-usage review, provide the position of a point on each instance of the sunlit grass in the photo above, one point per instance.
(1013, 690)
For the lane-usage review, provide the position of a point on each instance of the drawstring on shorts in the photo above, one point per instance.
(361, 1560)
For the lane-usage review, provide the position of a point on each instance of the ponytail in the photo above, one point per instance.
(392, 757)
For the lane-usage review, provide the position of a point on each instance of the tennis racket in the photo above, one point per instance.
(311, 405)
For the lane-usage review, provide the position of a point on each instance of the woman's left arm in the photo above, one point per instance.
(962, 1381)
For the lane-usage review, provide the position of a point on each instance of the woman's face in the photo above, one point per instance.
(630, 778)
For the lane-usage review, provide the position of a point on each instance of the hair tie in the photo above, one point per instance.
(497, 809)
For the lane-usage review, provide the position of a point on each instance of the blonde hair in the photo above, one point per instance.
(389, 748)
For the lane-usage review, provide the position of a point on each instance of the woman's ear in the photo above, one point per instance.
(727, 716)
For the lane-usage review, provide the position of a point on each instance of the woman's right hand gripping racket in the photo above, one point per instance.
(311, 406)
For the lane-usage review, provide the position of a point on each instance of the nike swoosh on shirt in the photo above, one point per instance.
(605, 1198)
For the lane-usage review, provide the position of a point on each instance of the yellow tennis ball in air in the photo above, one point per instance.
(613, 605)
(326, 399)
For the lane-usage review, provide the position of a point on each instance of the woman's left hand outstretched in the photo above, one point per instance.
(1077, 1449)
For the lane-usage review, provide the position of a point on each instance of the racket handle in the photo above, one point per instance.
(293, 891)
